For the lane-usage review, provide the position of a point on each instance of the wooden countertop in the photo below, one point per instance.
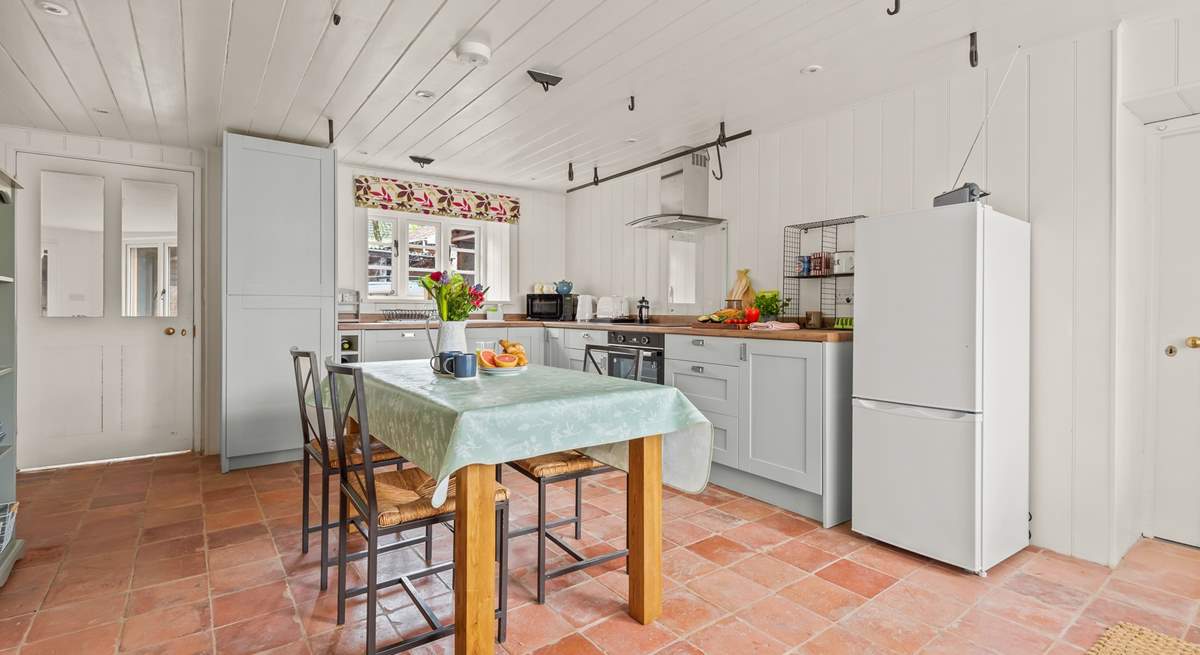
(655, 328)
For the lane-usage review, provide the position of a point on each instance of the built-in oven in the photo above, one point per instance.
(633, 355)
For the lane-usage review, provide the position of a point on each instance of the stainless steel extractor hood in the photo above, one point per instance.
(683, 196)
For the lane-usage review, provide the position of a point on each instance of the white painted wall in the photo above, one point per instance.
(1131, 280)
(537, 241)
(1046, 157)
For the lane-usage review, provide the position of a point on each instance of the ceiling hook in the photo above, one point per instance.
(719, 174)
(595, 176)
(974, 49)
(631, 103)
(570, 172)
(896, 10)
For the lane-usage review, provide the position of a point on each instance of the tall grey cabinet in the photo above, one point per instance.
(277, 289)
(8, 365)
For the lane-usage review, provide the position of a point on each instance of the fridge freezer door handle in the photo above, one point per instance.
(915, 412)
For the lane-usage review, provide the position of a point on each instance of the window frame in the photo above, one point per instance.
(400, 268)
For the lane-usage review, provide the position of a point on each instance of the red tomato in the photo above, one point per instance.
(752, 315)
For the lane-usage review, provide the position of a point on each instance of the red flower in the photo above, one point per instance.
(436, 276)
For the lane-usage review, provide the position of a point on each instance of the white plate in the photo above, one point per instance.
(503, 371)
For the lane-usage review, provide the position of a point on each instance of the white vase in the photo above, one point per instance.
(452, 336)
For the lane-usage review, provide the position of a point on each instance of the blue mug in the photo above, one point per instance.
(463, 365)
(444, 362)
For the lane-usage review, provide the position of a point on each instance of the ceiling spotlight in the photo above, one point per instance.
(421, 161)
(424, 94)
(52, 8)
(473, 53)
(812, 68)
(547, 80)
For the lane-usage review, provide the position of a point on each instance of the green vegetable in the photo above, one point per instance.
(769, 303)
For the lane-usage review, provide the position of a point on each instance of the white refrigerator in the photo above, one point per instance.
(941, 383)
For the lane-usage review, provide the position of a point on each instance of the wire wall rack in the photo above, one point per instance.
(811, 280)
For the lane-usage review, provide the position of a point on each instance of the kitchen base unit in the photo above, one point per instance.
(781, 417)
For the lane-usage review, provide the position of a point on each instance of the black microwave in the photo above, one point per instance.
(550, 306)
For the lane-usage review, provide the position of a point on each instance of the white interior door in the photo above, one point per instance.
(104, 295)
(1176, 487)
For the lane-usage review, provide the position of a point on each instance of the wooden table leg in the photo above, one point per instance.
(644, 537)
(474, 560)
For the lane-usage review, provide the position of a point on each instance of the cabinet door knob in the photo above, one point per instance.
(697, 369)
(169, 331)
(697, 342)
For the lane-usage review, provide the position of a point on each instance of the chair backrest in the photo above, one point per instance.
(348, 398)
(589, 355)
(312, 418)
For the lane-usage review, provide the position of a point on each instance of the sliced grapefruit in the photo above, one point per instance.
(487, 358)
(506, 361)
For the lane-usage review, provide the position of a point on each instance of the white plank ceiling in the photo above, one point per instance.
(179, 72)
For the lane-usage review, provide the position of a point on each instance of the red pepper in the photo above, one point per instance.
(752, 315)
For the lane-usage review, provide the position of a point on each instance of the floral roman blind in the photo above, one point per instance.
(423, 198)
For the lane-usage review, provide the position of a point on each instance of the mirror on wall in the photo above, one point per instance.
(72, 245)
(681, 269)
(149, 248)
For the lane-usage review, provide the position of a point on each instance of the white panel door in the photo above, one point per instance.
(916, 479)
(110, 384)
(1176, 417)
(916, 322)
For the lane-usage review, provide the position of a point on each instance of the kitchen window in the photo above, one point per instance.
(403, 248)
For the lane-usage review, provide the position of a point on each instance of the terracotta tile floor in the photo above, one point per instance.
(170, 556)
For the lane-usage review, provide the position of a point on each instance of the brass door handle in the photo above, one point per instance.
(169, 331)
(1192, 342)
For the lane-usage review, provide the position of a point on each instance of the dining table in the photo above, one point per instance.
(462, 428)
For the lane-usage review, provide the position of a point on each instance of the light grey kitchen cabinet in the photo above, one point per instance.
(710, 387)
(711, 350)
(485, 334)
(725, 438)
(404, 343)
(556, 348)
(534, 340)
(782, 429)
(259, 418)
(780, 415)
(277, 278)
(583, 338)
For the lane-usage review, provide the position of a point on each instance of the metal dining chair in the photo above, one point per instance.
(314, 422)
(380, 504)
(565, 466)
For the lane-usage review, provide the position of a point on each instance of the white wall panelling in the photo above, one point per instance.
(1046, 157)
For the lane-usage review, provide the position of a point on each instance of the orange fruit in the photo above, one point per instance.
(487, 358)
(506, 361)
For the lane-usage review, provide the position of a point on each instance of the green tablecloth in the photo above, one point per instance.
(442, 424)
